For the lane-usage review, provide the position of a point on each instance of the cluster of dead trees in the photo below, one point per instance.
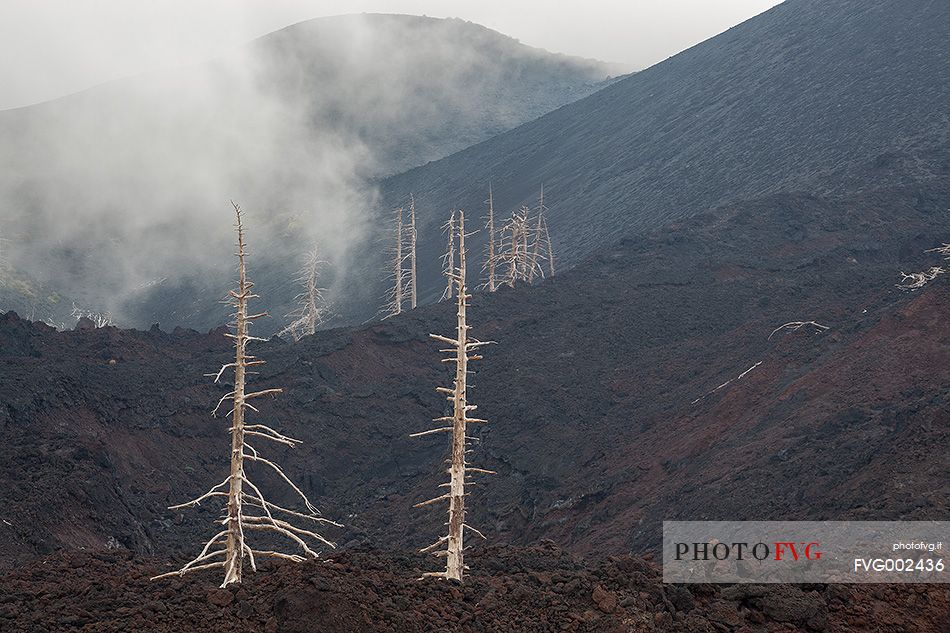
(402, 267)
(520, 251)
(246, 511)
(517, 250)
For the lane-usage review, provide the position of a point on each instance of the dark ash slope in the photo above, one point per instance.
(813, 95)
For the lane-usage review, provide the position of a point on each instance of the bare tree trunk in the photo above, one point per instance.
(412, 251)
(449, 257)
(491, 262)
(242, 494)
(460, 348)
(453, 561)
(234, 559)
(533, 261)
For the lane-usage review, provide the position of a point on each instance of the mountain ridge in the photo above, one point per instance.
(808, 95)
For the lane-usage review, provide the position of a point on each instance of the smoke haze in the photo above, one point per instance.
(117, 198)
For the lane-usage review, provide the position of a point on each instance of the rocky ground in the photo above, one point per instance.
(509, 590)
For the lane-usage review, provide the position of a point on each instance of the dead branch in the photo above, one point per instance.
(728, 382)
(915, 281)
(797, 325)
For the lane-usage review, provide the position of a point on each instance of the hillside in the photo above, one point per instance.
(601, 391)
(122, 190)
(813, 95)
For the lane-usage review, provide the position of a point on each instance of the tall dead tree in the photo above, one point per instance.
(461, 351)
(491, 258)
(311, 306)
(247, 509)
(541, 249)
(449, 257)
(537, 237)
(398, 289)
(413, 237)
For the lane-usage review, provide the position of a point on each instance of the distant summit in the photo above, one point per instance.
(417, 88)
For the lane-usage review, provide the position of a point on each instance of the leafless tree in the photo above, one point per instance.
(537, 238)
(247, 509)
(541, 243)
(413, 238)
(461, 350)
(311, 306)
(399, 279)
(491, 257)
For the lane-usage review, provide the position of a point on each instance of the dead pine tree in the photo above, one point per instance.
(462, 351)
(413, 238)
(537, 237)
(247, 510)
(397, 274)
(449, 257)
(311, 306)
(491, 258)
